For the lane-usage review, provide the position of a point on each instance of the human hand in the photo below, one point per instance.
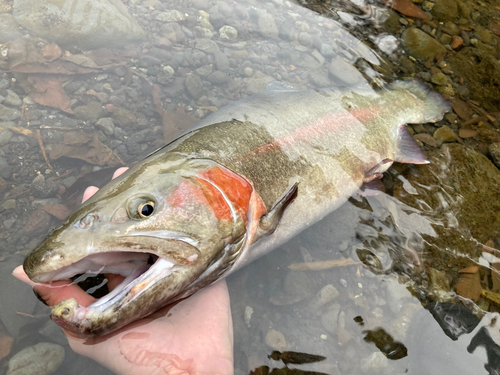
(195, 336)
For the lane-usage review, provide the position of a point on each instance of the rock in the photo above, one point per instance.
(461, 108)
(9, 28)
(9, 204)
(42, 188)
(344, 72)
(445, 134)
(267, 26)
(5, 134)
(276, 340)
(445, 10)
(421, 45)
(228, 32)
(9, 114)
(5, 169)
(88, 24)
(38, 222)
(469, 286)
(494, 151)
(173, 32)
(483, 34)
(465, 133)
(41, 359)
(171, 16)
(441, 79)
(194, 85)
(320, 78)
(12, 99)
(106, 125)
(456, 42)
(329, 318)
(221, 61)
(90, 112)
(426, 138)
(123, 118)
(374, 364)
(146, 61)
(16, 296)
(258, 82)
(218, 78)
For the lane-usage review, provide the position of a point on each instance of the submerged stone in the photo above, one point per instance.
(421, 45)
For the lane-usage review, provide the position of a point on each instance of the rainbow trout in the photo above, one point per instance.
(245, 180)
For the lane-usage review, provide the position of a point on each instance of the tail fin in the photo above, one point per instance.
(435, 106)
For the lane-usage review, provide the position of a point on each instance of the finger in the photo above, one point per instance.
(91, 190)
(119, 172)
(57, 291)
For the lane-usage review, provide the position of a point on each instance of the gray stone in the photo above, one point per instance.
(173, 32)
(320, 78)
(421, 45)
(9, 204)
(106, 22)
(221, 61)
(326, 50)
(90, 112)
(194, 85)
(44, 202)
(228, 32)
(147, 61)
(9, 28)
(43, 188)
(329, 318)
(106, 125)
(12, 99)
(171, 16)
(204, 70)
(5, 169)
(16, 296)
(124, 118)
(257, 82)
(9, 114)
(9, 223)
(218, 78)
(267, 26)
(445, 10)
(206, 45)
(5, 134)
(203, 32)
(344, 72)
(494, 151)
(42, 359)
(69, 181)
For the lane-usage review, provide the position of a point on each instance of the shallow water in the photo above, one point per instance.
(412, 248)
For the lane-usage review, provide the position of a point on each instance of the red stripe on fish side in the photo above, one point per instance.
(236, 189)
(320, 127)
(185, 193)
(215, 199)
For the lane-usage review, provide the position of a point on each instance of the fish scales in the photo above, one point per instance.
(245, 180)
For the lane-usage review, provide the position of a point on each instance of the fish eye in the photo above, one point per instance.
(141, 207)
(146, 209)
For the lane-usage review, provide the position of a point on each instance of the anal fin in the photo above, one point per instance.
(269, 222)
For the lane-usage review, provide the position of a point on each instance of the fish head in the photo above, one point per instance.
(164, 225)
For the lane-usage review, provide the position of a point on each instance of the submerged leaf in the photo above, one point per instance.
(407, 8)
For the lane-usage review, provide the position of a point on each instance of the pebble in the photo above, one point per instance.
(494, 151)
(445, 134)
(171, 16)
(9, 223)
(375, 363)
(41, 359)
(9, 29)
(267, 26)
(206, 45)
(218, 78)
(146, 61)
(228, 32)
(194, 85)
(421, 45)
(89, 112)
(276, 340)
(329, 318)
(106, 125)
(248, 72)
(12, 99)
(445, 10)
(123, 118)
(9, 204)
(426, 138)
(456, 42)
(5, 169)
(342, 71)
(9, 114)
(42, 188)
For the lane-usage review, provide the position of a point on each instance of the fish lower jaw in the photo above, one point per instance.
(91, 320)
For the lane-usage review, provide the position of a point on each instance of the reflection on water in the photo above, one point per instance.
(413, 286)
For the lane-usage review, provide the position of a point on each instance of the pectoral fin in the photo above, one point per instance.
(269, 222)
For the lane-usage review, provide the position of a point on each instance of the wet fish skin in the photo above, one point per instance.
(219, 192)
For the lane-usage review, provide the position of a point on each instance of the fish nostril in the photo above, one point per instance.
(87, 221)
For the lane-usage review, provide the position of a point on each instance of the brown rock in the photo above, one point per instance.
(456, 42)
(38, 222)
(469, 286)
(461, 109)
(467, 133)
(445, 134)
(427, 139)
